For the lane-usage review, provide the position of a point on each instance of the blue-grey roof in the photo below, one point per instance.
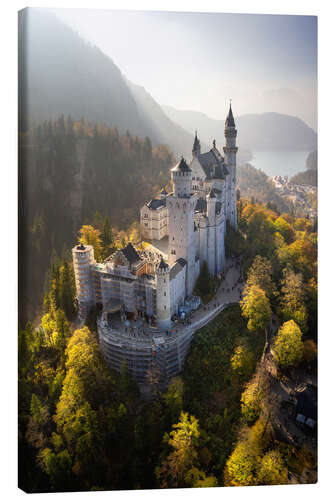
(131, 254)
(177, 267)
(212, 163)
(181, 166)
(201, 206)
(155, 203)
(230, 122)
(163, 264)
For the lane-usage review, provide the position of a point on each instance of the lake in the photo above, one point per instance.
(280, 163)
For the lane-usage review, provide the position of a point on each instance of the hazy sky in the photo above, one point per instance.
(198, 61)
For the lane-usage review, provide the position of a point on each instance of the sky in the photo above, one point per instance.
(198, 61)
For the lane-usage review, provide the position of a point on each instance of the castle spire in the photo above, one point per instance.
(230, 122)
(196, 150)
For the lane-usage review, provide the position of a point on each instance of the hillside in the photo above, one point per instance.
(308, 177)
(84, 167)
(161, 126)
(256, 132)
(59, 73)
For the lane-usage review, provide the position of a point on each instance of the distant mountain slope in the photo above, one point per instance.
(160, 124)
(61, 73)
(256, 132)
(64, 74)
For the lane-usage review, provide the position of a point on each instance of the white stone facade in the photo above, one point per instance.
(193, 217)
(154, 218)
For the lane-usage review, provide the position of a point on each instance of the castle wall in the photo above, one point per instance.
(211, 249)
(163, 298)
(153, 223)
(181, 234)
(178, 290)
(220, 248)
(203, 249)
(198, 177)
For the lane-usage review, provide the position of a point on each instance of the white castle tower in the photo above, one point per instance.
(181, 204)
(83, 259)
(211, 232)
(163, 310)
(230, 149)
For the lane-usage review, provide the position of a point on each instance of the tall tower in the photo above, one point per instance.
(181, 204)
(83, 258)
(196, 150)
(211, 232)
(163, 312)
(230, 150)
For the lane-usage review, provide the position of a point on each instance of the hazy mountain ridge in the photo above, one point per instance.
(62, 73)
(257, 132)
(165, 129)
(59, 73)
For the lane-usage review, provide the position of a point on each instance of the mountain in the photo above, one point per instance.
(160, 124)
(59, 73)
(256, 132)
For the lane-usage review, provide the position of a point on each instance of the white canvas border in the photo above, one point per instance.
(8, 248)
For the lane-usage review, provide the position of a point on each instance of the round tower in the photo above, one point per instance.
(83, 259)
(196, 150)
(230, 133)
(181, 175)
(230, 150)
(163, 312)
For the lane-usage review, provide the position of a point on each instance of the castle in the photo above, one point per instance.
(147, 285)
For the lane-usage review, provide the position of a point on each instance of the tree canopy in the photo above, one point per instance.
(288, 345)
(256, 308)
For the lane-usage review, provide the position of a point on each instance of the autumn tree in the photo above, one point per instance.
(67, 290)
(242, 361)
(284, 228)
(260, 275)
(253, 396)
(241, 466)
(56, 330)
(292, 298)
(272, 469)
(256, 308)
(174, 399)
(174, 471)
(107, 238)
(88, 235)
(310, 351)
(288, 345)
(58, 467)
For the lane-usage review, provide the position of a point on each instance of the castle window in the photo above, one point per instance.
(146, 224)
(164, 294)
(164, 280)
(164, 308)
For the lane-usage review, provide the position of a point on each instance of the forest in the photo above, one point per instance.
(85, 427)
(68, 171)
